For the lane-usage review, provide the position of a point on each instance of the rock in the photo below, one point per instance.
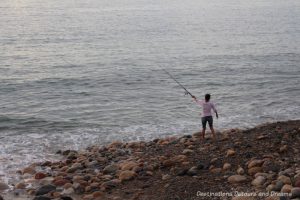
(68, 191)
(262, 174)
(168, 163)
(127, 175)
(255, 163)
(216, 170)
(110, 169)
(41, 198)
(252, 171)
(270, 188)
(20, 185)
(192, 171)
(258, 181)
(29, 170)
(226, 166)
(283, 149)
(97, 194)
(182, 172)
(285, 179)
(60, 182)
(240, 170)
(278, 186)
(40, 175)
(128, 165)
(166, 177)
(3, 186)
(295, 192)
(110, 184)
(237, 179)
(230, 152)
(269, 166)
(45, 190)
(213, 160)
(46, 181)
(201, 165)
(286, 188)
(187, 151)
(67, 185)
(179, 158)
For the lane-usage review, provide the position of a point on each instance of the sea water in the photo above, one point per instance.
(77, 73)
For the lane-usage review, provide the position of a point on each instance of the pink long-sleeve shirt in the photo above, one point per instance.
(207, 107)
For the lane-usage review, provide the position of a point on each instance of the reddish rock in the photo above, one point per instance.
(60, 182)
(40, 175)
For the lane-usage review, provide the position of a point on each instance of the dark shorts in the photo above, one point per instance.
(206, 119)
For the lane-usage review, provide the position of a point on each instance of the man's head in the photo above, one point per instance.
(207, 97)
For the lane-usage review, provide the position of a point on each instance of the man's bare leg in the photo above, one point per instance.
(203, 135)
(213, 133)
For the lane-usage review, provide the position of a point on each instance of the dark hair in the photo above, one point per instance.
(207, 97)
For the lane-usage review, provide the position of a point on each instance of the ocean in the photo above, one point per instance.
(78, 73)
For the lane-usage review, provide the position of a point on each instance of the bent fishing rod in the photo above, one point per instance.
(172, 77)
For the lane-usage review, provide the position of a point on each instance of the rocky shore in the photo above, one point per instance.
(258, 163)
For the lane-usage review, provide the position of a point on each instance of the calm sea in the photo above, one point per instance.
(75, 73)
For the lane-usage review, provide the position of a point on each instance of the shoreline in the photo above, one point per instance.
(251, 161)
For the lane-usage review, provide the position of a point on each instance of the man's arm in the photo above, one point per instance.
(215, 110)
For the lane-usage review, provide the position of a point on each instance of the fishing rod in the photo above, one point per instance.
(172, 77)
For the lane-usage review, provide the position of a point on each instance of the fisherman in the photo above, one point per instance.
(206, 114)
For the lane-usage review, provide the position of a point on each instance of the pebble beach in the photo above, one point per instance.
(258, 163)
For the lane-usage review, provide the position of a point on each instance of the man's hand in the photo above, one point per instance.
(217, 115)
(193, 97)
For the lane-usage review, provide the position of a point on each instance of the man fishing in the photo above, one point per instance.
(206, 105)
(206, 114)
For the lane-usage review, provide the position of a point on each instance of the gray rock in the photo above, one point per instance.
(45, 190)
(278, 186)
(295, 192)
